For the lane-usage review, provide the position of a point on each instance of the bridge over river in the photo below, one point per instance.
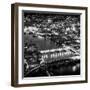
(62, 57)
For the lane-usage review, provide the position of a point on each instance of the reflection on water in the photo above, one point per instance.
(57, 69)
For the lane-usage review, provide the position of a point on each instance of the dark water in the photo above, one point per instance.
(63, 68)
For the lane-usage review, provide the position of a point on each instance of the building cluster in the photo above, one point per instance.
(48, 36)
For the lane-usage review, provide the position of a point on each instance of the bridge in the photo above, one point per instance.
(58, 54)
(64, 55)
